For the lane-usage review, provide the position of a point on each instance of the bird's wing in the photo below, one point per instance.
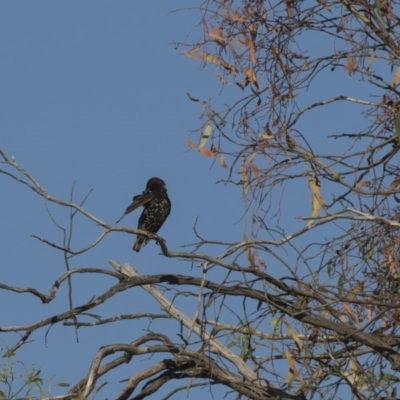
(137, 201)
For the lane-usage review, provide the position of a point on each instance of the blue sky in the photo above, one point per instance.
(95, 93)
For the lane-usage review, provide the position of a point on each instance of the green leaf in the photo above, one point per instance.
(329, 269)
(337, 177)
(206, 134)
(340, 284)
(390, 378)
(63, 384)
(274, 321)
(101, 386)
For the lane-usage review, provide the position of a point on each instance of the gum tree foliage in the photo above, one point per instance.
(306, 124)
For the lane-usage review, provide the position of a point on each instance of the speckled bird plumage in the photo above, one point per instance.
(157, 207)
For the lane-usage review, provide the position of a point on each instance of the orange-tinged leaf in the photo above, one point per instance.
(289, 7)
(220, 78)
(371, 59)
(190, 144)
(222, 161)
(250, 257)
(362, 184)
(211, 59)
(250, 254)
(251, 77)
(206, 153)
(217, 37)
(294, 335)
(292, 364)
(232, 50)
(218, 61)
(217, 34)
(191, 53)
(350, 65)
(238, 43)
(394, 184)
(233, 16)
(243, 177)
(349, 312)
(396, 78)
(252, 50)
(370, 310)
(256, 172)
(317, 201)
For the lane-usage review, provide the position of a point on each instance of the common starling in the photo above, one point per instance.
(157, 207)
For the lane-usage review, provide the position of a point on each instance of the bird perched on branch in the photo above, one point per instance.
(157, 207)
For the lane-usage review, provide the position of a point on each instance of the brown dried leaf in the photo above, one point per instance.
(256, 172)
(261, 262)
(232, 50)
(220, 78)
(250, 257)
(351, 65)
(250, 254)
(243, 177)
(317, 201)
(238, 44)
(252, 49)
(371, 60)
(394, 184)
(211, 59)
(390, 262)
(362, 184)
(289, 7)
(191, 54)
(190, 144)
(214, 150)
(349, 312)
(235, 15)
(370, 310)
(218, 61)
(251, 77)
(387, 9)
(396, 77)
(217, 34)
(292, 364)
(294, 335)
(222, 161)
(206, 153)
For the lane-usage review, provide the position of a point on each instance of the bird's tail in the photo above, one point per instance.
(139, 242)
